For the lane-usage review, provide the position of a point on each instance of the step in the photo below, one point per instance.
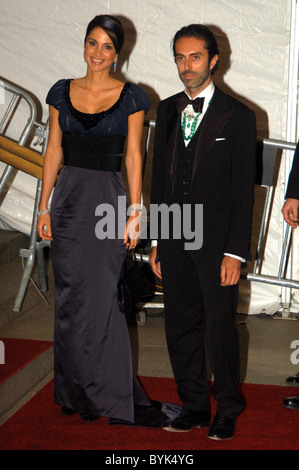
(29, 373)
(11, 272)
(10, 244)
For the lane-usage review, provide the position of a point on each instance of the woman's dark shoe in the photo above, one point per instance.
(88, 417)
(68, 411)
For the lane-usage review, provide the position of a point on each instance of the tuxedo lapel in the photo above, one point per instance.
(212, 125)
(172, 130)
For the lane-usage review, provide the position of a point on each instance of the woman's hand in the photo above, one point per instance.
(134, 176)
(132, 232)
(52, 160)
(43, 226)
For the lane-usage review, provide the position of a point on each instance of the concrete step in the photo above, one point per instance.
(34, 321)
(10, 244)
(11, 271)
(10, 280)
(21, 386)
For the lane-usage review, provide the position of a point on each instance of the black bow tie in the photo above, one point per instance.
(183, 100)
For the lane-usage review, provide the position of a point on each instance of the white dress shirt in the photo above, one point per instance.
(207, 94)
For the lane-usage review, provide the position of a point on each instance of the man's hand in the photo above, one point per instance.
(230, 271)
(290, 212)
(156, 267)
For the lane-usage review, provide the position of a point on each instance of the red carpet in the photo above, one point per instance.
(264, 425)
(18, 353)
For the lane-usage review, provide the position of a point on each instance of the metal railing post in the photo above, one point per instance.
(35, 249)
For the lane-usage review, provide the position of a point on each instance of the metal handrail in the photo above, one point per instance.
(16, 92)
(34, 246)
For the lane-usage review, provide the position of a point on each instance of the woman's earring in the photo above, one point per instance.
(114, 65)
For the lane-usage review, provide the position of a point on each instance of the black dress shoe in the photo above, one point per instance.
(68, 411)
(88, 417)
(222, 428)
(291, 402)
(293, 378)
(187, 420)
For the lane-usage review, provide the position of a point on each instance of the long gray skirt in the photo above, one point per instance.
(92, 353)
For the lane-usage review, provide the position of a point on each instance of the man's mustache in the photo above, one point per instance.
(188, 73)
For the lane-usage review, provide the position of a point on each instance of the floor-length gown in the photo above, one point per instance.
(92, 352)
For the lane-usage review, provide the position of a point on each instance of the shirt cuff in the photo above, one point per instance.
(236, 257)
(154, 243)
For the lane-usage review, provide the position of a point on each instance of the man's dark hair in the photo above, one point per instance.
(199, 31)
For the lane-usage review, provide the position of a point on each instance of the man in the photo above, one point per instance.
(206, 157)
(290, 212)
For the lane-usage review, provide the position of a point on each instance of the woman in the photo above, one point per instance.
(90, 118)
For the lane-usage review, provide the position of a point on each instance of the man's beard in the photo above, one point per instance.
(199, 78)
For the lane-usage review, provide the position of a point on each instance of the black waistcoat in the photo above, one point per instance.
(184, 167)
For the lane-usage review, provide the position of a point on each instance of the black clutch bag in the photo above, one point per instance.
(131, 286)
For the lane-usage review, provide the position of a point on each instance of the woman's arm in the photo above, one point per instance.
(52, 159)
(134, 175)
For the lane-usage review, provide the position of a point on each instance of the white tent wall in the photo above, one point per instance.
(42, 42)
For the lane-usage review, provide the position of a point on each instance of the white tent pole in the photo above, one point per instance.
(292, 121)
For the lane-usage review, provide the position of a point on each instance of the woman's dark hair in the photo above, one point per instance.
(199, 31)
(112, 26)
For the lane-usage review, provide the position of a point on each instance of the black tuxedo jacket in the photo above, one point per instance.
(223, 171)
(293, 183)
